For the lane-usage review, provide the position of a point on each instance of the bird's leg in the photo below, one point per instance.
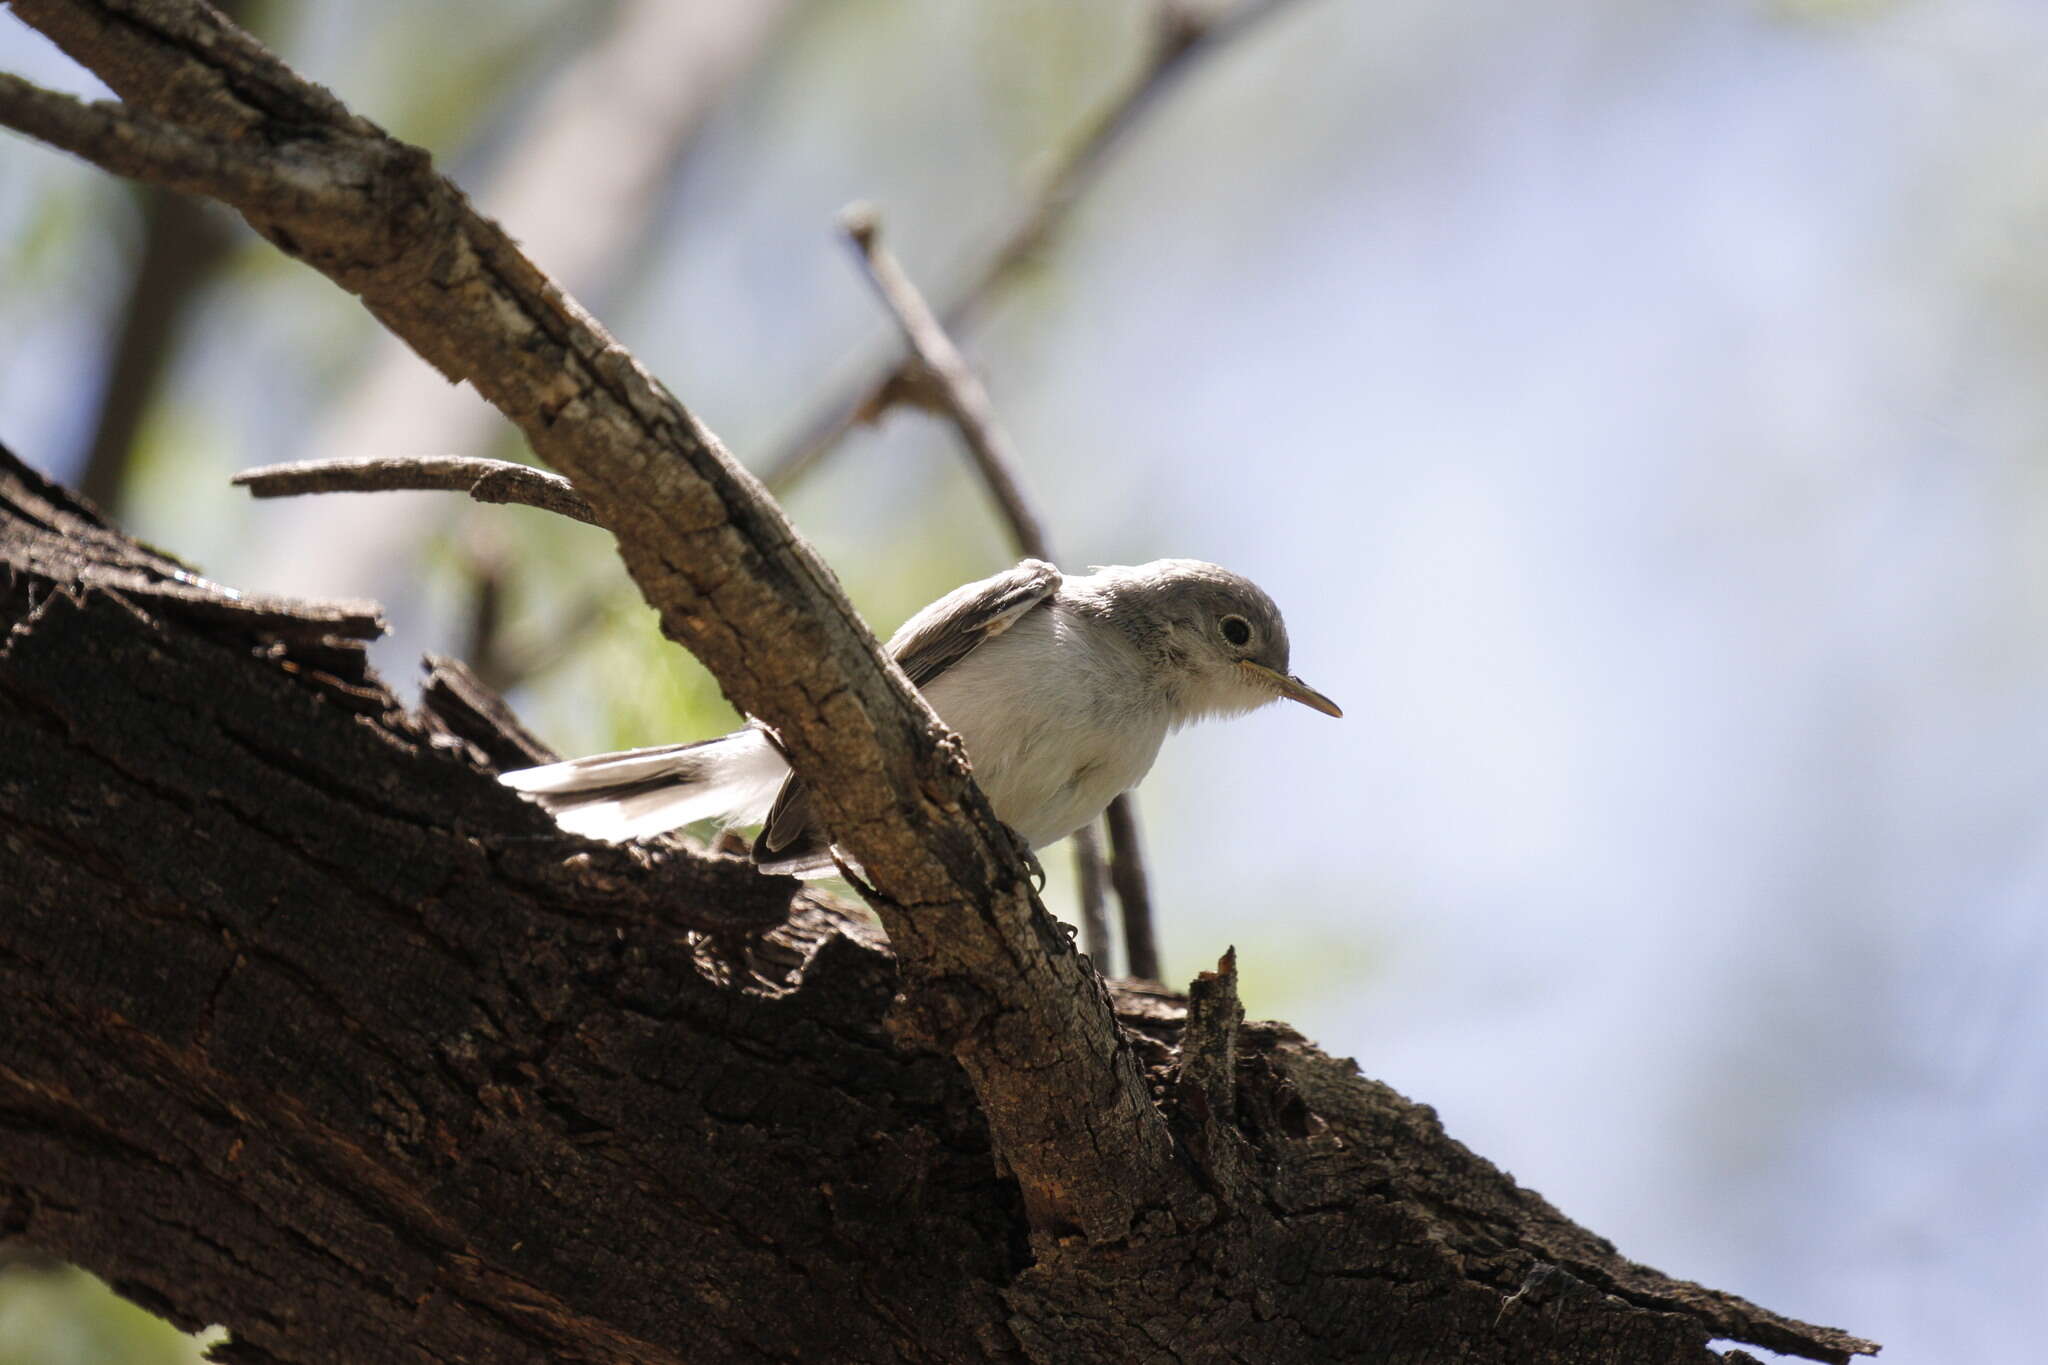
(1031, 863)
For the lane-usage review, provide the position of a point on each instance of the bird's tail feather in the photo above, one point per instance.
(638, 792)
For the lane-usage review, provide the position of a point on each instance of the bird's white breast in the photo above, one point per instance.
(1056, 718)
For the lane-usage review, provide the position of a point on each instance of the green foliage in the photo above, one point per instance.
(178, 466)
(66, 1317)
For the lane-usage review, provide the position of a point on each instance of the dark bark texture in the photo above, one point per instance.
(309, 1028)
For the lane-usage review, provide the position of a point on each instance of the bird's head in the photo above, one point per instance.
(1217, 638)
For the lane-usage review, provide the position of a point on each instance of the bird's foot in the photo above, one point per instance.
(1031, 863)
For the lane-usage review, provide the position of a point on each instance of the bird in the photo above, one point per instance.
(1061, 687)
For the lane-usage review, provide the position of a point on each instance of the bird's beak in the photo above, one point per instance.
(1294, 689)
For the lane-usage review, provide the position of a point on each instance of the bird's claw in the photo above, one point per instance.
(1031, 863)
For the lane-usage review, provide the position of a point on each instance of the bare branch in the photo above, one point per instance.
(116, 138)
(1133, 889)
(1089, 878)
(1181, 34)
(958, 389)
(959, 393)
(1181, 31)
(495, 481)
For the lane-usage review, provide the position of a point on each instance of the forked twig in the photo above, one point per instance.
(957, 391)
(955, 387)
(1181, 33)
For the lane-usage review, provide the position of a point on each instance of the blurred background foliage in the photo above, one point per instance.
(1637, 406)
(52, 1314)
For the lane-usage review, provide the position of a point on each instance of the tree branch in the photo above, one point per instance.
(960, 394)
(1181, 34)
(309, 1026)
(959, 390)
(1090, 869)
(992, 979)
(117, 139)
(494, 481)
(576, 167)
(1133, 889)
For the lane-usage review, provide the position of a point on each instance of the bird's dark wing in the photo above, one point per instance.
(949, 629)
(926, 646)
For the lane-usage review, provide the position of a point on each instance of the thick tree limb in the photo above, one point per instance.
(116, 139)
(309, 1027)
(996, 983)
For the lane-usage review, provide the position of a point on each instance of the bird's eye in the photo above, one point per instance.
(1236, 629)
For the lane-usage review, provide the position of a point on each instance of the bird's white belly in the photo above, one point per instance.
(1054, 729)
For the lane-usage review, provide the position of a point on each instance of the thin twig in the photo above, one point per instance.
(1089, 870)
(958, 392)
(1180, 34)
(492, 481)
(497, 481)
(1133, 890)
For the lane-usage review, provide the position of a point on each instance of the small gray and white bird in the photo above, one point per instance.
(1061, 689)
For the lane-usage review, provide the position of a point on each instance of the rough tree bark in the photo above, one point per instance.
(309, 1028)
